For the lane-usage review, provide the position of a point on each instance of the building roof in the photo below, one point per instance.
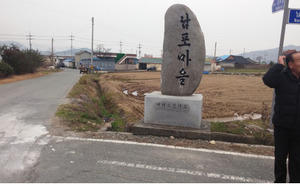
(288, 51)
(150, 60)
(236, 59)
(69, 60)
(224, 57)
(99, 59)
(80, 52)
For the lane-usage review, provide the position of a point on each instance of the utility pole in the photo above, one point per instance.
(30, 38)
(215, 53)
(284, 22)
(121, 46)
(52, 52)
(92, 48)
(72, 44)
(265, 56)
(244, 53)
(140, 47)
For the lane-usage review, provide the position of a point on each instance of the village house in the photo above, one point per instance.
(232, 61)
(80, 56)
(147, 62)
(99, 64)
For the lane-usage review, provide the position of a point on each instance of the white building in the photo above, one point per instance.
(80, 56)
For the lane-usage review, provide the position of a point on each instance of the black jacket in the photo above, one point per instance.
(287, 101)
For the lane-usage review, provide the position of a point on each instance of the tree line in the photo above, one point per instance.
(17, 61)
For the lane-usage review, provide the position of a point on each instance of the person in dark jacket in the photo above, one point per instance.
(286, 118)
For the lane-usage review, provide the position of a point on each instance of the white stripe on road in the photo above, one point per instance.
(183, 171)
(166, 146)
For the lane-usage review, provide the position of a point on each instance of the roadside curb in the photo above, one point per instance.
(203, 133)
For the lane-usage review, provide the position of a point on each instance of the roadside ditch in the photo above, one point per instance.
(96, 108)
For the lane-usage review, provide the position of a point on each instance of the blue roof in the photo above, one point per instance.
(99, 59)
(224, 57)
(69, 60)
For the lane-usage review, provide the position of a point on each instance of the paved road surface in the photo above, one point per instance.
(29, 154)
(91, 160)
(26, 108)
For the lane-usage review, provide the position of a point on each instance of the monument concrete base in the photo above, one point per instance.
(182, 111)
(142, 128)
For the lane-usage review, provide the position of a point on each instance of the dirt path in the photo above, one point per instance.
(15, 78)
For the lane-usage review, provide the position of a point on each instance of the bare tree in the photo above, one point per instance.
(259, 58)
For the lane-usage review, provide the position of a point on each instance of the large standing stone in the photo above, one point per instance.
(183, 52)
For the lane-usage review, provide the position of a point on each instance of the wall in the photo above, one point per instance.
(227, 64)
(126, 67)
(103, 65)
(84, 55)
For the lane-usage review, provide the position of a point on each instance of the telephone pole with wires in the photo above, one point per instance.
(30, 38)
(52, 52)
(140, 47)
(72, 36)
(121, 46)
(92, 49)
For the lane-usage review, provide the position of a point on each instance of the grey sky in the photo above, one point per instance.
(233, 24)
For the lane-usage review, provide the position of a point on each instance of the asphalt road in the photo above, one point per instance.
(26, 109)
(29, 154)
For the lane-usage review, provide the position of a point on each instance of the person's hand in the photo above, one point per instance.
(281, 60)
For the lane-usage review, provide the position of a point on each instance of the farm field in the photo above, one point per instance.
(224, 95)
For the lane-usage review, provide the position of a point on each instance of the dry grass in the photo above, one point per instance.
(15, 78)
(224, 95)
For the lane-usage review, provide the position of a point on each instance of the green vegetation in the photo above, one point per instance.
(5, 70)
(22, 61)
(255, 128)
(90, 106)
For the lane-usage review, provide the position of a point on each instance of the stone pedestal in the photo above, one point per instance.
(182, 111)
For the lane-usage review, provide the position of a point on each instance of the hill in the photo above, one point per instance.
(268, 54)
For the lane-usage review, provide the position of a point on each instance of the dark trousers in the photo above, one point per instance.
(287, 144)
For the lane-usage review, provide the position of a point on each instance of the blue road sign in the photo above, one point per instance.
(277, 5)
(294, 16)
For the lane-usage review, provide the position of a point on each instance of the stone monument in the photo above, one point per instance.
(182, 68)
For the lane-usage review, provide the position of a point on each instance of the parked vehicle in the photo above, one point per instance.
(153, 68)
(83, 69)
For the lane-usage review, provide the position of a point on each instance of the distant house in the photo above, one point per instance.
(99, 64)
(234, 61)
(145, 63)
(69, 62)
(288, 51)
(81, 55)
(126, 62)
(211, 65)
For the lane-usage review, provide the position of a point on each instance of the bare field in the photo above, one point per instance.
(224, 95)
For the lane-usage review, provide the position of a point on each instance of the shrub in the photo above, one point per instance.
(5, 70)
(22, 61)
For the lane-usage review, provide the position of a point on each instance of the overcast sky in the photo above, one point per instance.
(234, 24)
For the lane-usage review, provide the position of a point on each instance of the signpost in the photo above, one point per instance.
(294, 17)
(277, 5)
